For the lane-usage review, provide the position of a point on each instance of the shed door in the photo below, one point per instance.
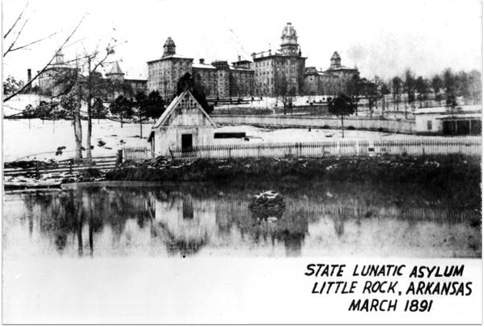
(187, 142)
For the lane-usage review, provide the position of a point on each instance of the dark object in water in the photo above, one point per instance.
(267, 206)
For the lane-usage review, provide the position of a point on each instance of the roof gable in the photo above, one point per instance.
(115, 69)
(183, 101)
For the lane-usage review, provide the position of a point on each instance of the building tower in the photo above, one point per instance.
(289, 44)
(335, 61)
(169, 48)
(59, 58)
(115, 74)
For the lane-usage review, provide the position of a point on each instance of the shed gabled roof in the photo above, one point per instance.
(170, 110)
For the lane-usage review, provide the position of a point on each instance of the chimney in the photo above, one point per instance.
(202, 61)
(240, 58)
(29, 74)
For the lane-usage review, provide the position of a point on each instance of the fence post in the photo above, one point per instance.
(119, 157)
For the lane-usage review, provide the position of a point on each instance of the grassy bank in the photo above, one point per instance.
(452, 174)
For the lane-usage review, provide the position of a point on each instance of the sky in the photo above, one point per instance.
(381, 38)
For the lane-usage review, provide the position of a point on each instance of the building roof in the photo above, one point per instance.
(173, 56)
(444, 110)
(336, 55)
(245, 69)
(289, 35)
(459, 117)
(174, 104)
(341, 68)
(139, 80)
(169, 42)
(115, 69)
(277, 55)
(203, 66)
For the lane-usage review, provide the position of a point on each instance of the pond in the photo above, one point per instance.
(123, 219)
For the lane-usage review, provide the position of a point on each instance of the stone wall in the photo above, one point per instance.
(395, 126)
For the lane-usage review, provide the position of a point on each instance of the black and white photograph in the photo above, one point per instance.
(242, 162)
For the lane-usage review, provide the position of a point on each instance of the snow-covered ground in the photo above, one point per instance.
(24, 140)
(39, 140)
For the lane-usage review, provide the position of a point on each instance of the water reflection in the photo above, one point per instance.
(187, 220)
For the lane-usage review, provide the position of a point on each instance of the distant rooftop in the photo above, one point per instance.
(174, 56)
(202, 66)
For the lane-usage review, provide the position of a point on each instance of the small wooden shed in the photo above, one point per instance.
(182, 126)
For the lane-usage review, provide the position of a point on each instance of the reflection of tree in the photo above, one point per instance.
(67, 213)
(290, 228)
(339, 219)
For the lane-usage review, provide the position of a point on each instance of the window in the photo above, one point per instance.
(429, 125)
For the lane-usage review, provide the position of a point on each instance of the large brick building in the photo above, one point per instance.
(270, 73)
(56, 78)
(331, 81)
(164, 73)
(217, 80)
(59, 77)
(283, 67)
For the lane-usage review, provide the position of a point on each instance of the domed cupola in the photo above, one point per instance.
(169, 48)
(289, 44)
(59, 57)
(335, 60)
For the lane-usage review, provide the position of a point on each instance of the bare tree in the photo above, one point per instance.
(94, 61)
(396, 90)
(46, 66)
(437, 84)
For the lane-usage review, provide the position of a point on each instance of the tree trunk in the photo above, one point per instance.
(78, 132)
(89, 116)
(89, 129)
(140, 126)
(342, 126)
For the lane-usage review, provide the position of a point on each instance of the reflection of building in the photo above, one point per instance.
(187, 223)
(182, 126)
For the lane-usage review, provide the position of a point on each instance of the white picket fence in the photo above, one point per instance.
(339, 148)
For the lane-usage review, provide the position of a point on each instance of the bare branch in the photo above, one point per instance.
(28, 44)
(47, 65)
(15, 41)
(16, 21)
